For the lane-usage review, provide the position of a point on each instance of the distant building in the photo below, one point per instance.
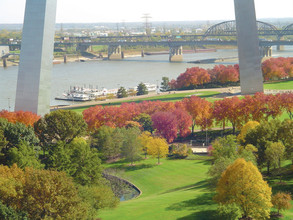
(4, 50)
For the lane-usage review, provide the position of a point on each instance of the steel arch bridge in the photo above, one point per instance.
(228, 28)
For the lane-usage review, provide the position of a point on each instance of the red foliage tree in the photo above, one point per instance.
(165, 125)
(223, 74)
(192, 77)
(277, 68)
(286, 100)
(184, 121)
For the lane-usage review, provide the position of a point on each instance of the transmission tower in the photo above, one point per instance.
(147, 23)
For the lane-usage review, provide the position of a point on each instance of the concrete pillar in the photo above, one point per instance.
(36, 57)
(142, 53)
(251, 79)
(4, 62)
(114, 52)
(280, 47)
(176, 54)
(65, 58)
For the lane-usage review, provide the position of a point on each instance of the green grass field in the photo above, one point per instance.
(172, 97)
(176, 189)
(285, 85)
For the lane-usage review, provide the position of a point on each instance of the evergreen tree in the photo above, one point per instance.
(142, 89)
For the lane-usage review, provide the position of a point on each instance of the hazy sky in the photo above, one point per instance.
(72, 11)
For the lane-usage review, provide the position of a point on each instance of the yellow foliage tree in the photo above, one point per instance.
(42, 194)
(145, 140)
(242, 184)
(245, 129)
(158, 148)
(281, 201)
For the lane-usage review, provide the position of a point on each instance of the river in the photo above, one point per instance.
(112, 74)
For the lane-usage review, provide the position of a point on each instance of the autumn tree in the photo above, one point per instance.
(224, 74)
(41, 193)
(228, 110)
(281, 201)
(145, 140)
(158, 148)
(242, 184)
(27, 118)
(245, 129)
(192, 77)
(286, 101)
(165, 125)
(200, 111)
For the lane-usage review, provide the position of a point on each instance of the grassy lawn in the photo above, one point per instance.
(285, 85)
(176, 189)
(172, 97)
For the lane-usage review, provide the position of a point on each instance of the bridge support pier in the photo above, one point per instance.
(251, 79)
(4, 62)
(84, 48)
(266, 51)
(280, 47)
(176, 54)
(114, 52)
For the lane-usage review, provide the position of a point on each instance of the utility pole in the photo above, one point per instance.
(146, 17)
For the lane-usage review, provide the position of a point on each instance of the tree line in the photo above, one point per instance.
(220, 76)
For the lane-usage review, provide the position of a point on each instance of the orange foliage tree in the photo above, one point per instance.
(200, 111)
(27, 118)
(223, 74)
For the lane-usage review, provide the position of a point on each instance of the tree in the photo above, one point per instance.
(40, 193)
(158, 148)
(24, 155)
(108, 141)
(122, 93)
(192, 77)
(131, 146)
(60, 125)
(242, 184)
(27, 118)
(18, 132)
(165, 84)
(184, 122)
(228, 110)
(225, 151)
(245, 129)
(266, 131)
(145, 121)
(145, 140)
(165, 125)
(281, 201)
(7, 213)
(142, 89)
(274, 153)
(200, 111)
(78, 160)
